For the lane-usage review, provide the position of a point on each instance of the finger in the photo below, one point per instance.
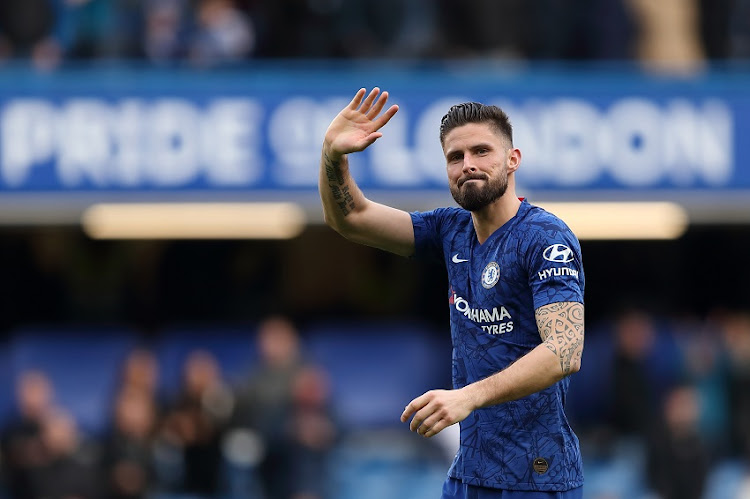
(420, 417)
(386, 117)
(437, 428)
(354, 104)
(413, 407)
(370, 139)
(369, 100)
(379, 104)
(429, 423)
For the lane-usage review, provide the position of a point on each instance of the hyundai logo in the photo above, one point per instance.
(558, 253)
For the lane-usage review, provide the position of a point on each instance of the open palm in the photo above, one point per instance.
(357, 125)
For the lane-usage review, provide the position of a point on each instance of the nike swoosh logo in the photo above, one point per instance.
(456, 259)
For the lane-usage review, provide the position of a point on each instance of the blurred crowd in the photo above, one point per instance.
(268, 437)
(672, 399)
(668, 34)
(661, 406)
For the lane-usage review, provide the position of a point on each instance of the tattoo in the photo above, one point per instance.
(561, 329)
(340, 191)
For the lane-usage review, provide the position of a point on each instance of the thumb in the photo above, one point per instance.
(368, 141)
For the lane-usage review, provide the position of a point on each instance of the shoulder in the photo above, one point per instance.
(542, 231)
(539, 220)
(442, 216)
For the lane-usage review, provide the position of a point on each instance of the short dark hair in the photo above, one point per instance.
(475, 112)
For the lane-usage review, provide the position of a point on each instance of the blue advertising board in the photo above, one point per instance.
(260, 128)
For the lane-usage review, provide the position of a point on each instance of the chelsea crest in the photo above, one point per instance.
(490, 275)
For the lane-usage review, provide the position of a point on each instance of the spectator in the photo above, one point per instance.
(70, 468)
(27, 30)
(668, 35)
(196, 423)
(311, 435)
(391, 28)
(164, 32)
(140, 372)
(736, 336)
(128, 452)
(678, 460)
(223, 34)
(707, 371)
(264, 400)
(633, 405)
(497, 28)
(595, 30)
(22, 443)
(739, 41)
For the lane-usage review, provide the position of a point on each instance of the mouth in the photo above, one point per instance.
(462, 181)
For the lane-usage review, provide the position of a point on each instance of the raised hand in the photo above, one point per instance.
(357, 125)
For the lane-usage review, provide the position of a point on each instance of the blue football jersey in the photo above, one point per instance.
(531, 261)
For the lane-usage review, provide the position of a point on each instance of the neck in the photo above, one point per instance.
(495, 215)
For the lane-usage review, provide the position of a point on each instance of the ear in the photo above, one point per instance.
(514, 160)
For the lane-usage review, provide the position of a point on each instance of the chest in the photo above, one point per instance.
(487, 272)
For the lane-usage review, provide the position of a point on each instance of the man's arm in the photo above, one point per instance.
(559, 355)
(345, 208)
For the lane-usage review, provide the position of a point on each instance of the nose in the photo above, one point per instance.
(468, 166)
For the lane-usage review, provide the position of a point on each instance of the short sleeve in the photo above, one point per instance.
(554, 264)
(428, 233)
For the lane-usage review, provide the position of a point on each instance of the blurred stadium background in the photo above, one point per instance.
(177, 322)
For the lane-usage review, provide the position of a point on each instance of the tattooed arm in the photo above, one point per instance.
(345, 208)
(561, 329)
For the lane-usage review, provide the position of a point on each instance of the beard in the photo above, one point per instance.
(473, 197)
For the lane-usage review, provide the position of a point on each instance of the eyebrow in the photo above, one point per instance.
(479, 145)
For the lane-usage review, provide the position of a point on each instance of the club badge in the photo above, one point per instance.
(490, 275)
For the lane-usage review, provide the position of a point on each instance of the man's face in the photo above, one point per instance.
(477, 160)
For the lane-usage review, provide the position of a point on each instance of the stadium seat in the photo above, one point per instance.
(82, 363)
(377, 368)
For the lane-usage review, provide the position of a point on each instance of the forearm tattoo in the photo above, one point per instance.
(561, 328)
(340, 191)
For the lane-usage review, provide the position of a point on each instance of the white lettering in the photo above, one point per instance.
(636, 128)
(574, 142)
(173, 151)
(28, 138)
(392, 162)
(637, 142)
(84, 154)
(294, 132)
(504, 313)
(557, 272)
(231, 139)
(126, 122)
(133, 142)
(480, 314)
(715, 133)
(494, 316)
(502, 328)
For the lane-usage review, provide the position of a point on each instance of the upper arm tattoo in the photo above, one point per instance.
(338, 186)
(561, 328)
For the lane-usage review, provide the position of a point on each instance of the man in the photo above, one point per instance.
(516, 300)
